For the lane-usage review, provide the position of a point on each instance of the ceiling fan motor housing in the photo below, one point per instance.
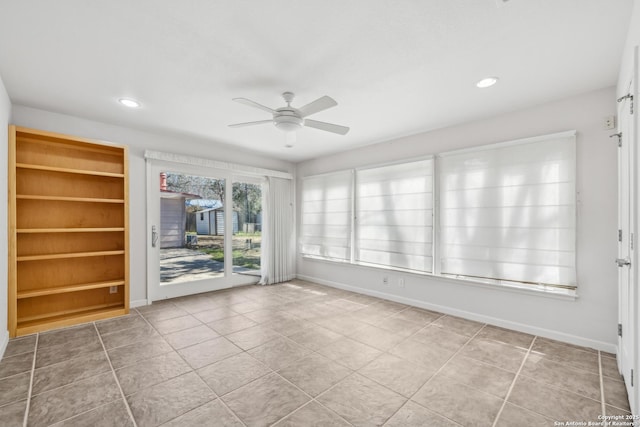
(287, 119)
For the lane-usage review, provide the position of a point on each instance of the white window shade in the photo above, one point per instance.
(508, 211)
(394, 215)
(326, 216)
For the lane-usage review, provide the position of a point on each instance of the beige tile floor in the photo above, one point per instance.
(300, 354)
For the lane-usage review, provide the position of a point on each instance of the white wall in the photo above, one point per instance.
(5, 117)
(589, 320)
(138, 142)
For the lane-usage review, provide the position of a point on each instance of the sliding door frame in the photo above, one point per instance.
(155, 290)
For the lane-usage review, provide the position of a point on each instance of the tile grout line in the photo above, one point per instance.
(435, 373)
(59, 423)
(195, 371)
(294, 411)
(384, 352)
(223, 403)
(312, 351)
(65, 385)
(562, 388)
(356, 371)
(604, 406)
(314, 399)
(554, 386)
(388, 351)
(272, 371)
(33, 373)
(513, 383)
(113, 372)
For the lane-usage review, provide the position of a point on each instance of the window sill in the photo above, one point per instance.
(534, 290)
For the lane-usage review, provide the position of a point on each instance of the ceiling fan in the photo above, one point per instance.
(289, 119)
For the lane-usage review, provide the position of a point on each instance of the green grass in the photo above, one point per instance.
(239, 258)
(243, 234)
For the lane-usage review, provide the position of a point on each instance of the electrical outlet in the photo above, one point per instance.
(401, 283)
(113, 289)
(385, 280)
(609, 122)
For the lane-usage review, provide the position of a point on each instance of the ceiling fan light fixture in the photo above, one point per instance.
(287, 123)
(487, 82)
(128, 102)
(290, 139)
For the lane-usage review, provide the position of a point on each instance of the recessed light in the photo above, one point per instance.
(127, 102)
(487, 82)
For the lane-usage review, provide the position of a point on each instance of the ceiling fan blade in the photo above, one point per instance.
(329, 127)
(254, 104)
(259, 122)
(318, 105)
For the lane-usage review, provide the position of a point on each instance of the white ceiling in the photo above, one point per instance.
(395, 67)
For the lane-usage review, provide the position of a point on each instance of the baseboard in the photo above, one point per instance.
(4, 341)
(138, 303)
(521, 327)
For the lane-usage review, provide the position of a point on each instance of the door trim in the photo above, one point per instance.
(628, 295)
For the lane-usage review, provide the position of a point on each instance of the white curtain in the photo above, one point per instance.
(327, 215)
(508, 212)
(394, 215)
(278, 246)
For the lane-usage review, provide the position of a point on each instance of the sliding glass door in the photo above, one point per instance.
(204, 229)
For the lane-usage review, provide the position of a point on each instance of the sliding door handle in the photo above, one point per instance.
(622, 262)
(154, 236)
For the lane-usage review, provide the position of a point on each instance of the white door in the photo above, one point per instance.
(179, 271)
(627, 242)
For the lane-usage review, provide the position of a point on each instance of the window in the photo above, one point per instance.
(504, 213)
(507, 212)
(326, 216)
(394, 215)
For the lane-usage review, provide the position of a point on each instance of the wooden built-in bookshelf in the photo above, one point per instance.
(68, 230)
